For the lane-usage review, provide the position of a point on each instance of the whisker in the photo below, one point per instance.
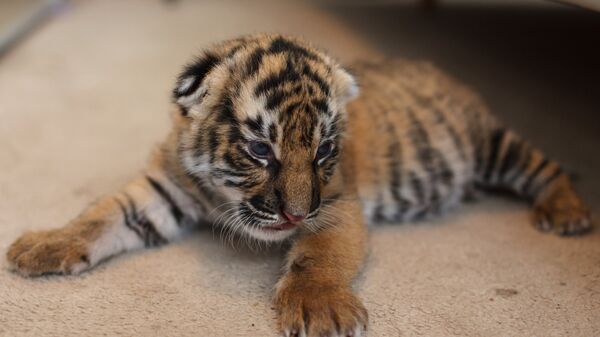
(220, 206)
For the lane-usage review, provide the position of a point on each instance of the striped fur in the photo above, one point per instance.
(266, 126)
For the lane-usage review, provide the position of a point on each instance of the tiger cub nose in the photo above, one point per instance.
(293, 218)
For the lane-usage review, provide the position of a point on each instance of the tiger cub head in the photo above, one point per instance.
(262, 120)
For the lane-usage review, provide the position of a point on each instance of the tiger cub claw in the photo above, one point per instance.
(317, 312)
(38, 253)
(562, 215)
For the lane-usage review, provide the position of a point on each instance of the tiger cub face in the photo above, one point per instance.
(263, 119)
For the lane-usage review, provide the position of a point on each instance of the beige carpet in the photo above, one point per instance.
(83, 100)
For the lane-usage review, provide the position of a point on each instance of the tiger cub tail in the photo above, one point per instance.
(507, 161)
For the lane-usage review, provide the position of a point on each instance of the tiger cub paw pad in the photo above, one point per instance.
(37, 253)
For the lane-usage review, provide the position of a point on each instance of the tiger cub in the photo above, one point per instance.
(271, 141)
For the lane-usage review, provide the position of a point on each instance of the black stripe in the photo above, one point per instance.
(439, 164)
(258, 202)
(274, 99)
(151, 236)
(525, 158)
(421, 143)
(331, 199)
(420, 140)
(226, 110)
(279, 202)
(290, 109)
(321, 105)
(427, 103)
(127, 221)
(328, 168)
(235, 49)
(198, 70)
(289, 74)
(510, 159)
(255, 126)
(298, 89)
(430, 159)
(417, 186)
(315, 199)
(308, 125)
(475, 128)
(236, 163)
(213, 143)
(540, 167)
(548, 181)
(421, 214)
(273, 133)
(444, 172)
(254, 62)
(174, 208)
(378, 215)
(495, 144)
(282, 45)
(220, 173)
(395, 157)
(458, 144)
(542, 186)
(182, 110)
(313, 76)
(267, 84)
(247, 183)
(235, 134)
(478, 154)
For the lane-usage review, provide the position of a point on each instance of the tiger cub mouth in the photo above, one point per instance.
(280, 227)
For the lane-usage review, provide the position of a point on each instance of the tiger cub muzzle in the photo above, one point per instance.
(293, 197)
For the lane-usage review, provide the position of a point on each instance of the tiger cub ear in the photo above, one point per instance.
(344, 86)
(191, 88)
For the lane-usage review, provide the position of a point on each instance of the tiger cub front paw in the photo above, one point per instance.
(316, 311)
(54, 251)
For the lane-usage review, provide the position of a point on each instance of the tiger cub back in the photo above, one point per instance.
(415, 135)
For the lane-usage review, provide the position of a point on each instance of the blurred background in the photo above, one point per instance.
(84, 94)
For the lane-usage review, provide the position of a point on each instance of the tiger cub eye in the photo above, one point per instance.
(324, 150)
(260, 149)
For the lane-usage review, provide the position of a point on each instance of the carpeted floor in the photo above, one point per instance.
(84, 98)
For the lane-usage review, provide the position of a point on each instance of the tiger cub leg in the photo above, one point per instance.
(514, 164)
(314, 296)
(145, 213)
